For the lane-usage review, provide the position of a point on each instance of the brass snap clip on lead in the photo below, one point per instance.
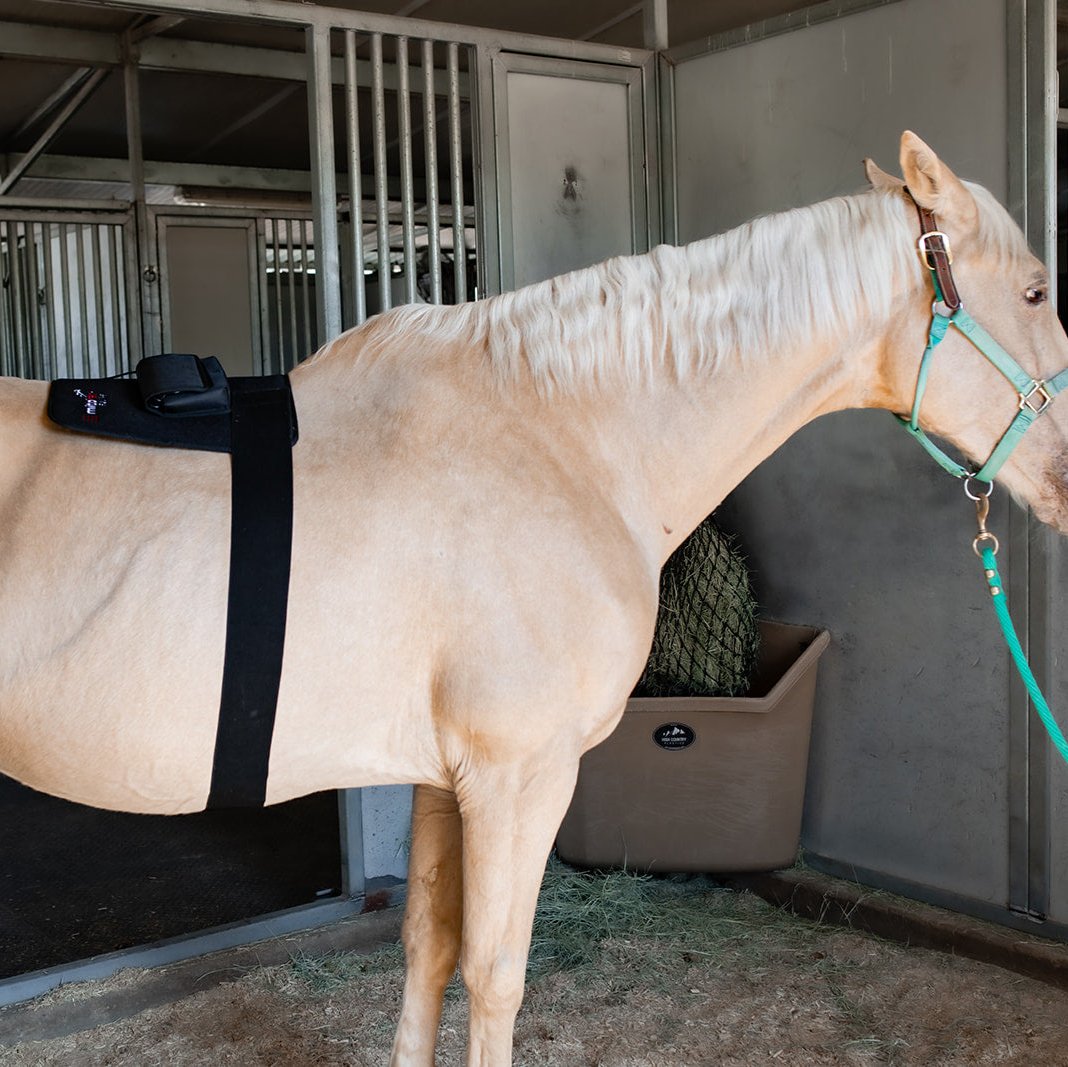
(982, 510)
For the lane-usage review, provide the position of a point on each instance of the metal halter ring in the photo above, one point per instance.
(972, 496)
(986, 535)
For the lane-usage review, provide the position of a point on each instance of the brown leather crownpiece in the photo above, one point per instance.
(936, 254)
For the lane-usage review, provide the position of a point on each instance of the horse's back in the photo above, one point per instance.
(458, 579)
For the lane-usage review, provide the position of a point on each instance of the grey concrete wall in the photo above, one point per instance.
(849, 525)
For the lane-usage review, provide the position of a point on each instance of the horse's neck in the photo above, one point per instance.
(690, 442)
(754, 334)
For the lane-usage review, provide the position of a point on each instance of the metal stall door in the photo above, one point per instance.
(922, 775)
(209, 280)
(570, 165)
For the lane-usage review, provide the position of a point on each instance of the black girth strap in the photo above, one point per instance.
(261, 541)
(183, 401)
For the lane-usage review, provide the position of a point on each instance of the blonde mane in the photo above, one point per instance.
(790, 278)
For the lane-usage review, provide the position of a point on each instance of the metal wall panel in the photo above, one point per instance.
(850, 526)
(570, 166)
(1057, 694)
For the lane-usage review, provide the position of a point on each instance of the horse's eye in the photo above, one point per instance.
(1035, 295)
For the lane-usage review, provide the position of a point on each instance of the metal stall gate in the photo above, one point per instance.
(64, 302)
(927, 774)
(421, 188)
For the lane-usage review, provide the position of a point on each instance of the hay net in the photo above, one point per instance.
(707, 637)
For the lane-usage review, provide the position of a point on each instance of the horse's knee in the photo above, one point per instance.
(494, 981)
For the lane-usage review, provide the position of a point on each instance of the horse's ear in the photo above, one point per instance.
(878, 178)
(934, 185)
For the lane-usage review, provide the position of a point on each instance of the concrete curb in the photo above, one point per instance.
(58, 1015)
(833, 900)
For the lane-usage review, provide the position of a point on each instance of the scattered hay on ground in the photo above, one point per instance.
(625, 971)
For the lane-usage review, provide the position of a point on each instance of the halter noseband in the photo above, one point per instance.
(1035, 395)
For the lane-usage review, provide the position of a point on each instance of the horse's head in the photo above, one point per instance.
(1005, 289)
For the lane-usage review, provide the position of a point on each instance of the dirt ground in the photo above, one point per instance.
(623, 974)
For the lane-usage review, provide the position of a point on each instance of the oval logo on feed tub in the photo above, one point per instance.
(674, 735)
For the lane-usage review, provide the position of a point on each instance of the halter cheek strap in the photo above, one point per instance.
(1034, 394)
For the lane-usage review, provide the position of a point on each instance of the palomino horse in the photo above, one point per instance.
(484, 496)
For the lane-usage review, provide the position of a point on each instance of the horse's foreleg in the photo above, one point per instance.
(509, 821)
(432, 922)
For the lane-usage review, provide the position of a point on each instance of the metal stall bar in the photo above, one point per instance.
(324, 184)
(33, 313)
(291, 289)
(83, 302)
(131, 294)
(407, 192)
(430, 141)
(265, 365)
(7, 337)
(115, 270)
(64, 304)
(50, 362)
(22, 361)
(150, 336)
(378, 115)
(279, 313)
(485, 164)
(1032, 154)
(352, 128)
(6, 360)
(96, 233)
(456, 182)
(305, 297)
(5, 315)
(328, 298)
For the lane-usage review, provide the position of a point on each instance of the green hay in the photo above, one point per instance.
(579, 913)
(665, 922)
(707, 636)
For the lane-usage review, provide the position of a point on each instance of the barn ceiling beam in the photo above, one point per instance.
(615, 20)
(87, 48)
(301, 15)
(158, 25)
(167, 53)
(92, 49)
(46, 107)
(26, 160)
(204, 175)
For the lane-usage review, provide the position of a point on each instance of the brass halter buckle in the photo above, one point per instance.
(927, 252)
(1038, 389)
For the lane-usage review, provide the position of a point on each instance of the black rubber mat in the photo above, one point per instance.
(77, 882)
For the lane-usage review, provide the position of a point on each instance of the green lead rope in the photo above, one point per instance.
(1001, 608)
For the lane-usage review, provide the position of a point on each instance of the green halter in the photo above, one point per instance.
(1034, 394)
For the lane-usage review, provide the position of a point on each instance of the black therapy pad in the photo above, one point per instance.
(193, 414)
